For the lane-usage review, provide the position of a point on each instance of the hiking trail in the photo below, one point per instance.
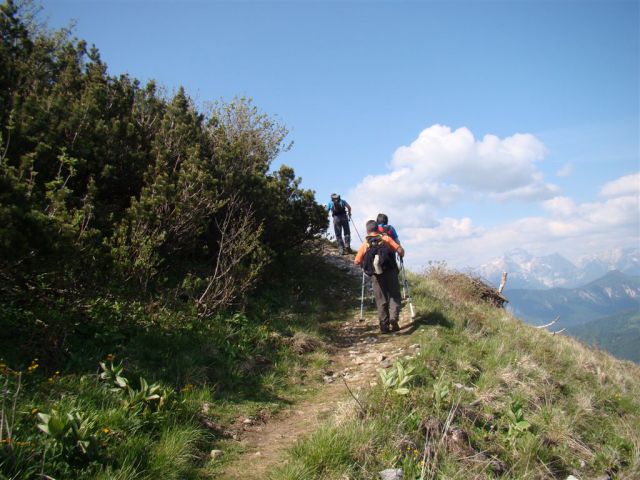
(356, 351)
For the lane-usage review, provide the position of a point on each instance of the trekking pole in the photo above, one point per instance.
(406, 284)
(404, 290)
(362, 298)
(356, 229)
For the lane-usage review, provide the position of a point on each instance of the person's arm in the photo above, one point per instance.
(329, 206)
(360, 253)
(348, 207)
(394, 246)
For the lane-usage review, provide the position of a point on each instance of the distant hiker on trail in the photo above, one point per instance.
(383, 227)
(341, 212)
(377, 258)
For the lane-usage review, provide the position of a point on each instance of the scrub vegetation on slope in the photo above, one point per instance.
(488, 397)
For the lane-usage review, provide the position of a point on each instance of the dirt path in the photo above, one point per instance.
(358, 349)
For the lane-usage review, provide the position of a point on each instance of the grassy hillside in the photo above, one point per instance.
(486, 396)
(617, 334)
(149, 395)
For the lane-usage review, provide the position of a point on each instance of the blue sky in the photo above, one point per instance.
(554, 84)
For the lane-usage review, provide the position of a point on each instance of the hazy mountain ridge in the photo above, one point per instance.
(618, 334)
(549, 271)
(613, 293)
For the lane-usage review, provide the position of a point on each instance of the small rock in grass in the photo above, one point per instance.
(247, 421)
(459, 386)
(216, 453)
(391, 474)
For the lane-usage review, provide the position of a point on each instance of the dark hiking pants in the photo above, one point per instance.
(386, 290)
(340, 223)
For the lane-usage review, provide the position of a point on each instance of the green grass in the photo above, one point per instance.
(491, 397)
(214, 371)
(171, 457)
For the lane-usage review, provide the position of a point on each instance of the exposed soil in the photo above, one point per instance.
(357, 350)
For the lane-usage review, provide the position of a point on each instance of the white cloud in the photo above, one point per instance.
(446, 230)
(627, 185)
(536, 190)
(570, 228)
(442, 167)
(489, 165)
(565, 171)
(560, 206)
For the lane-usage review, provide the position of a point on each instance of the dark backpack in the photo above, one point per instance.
(339, 208)
(378, 254)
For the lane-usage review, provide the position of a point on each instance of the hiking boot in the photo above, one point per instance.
(395, 327)
(384, 328)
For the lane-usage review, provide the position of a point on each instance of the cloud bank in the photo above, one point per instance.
(444, 168)
(572, 229)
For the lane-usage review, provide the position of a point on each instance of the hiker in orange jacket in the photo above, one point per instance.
(381, 264)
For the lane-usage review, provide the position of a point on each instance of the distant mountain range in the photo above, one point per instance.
(618, 334)
(597, 299)
(613, 293)
(554, 270)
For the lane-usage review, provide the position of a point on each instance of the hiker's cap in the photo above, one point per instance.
(335, 196)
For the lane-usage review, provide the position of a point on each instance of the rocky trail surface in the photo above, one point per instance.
(356, 351)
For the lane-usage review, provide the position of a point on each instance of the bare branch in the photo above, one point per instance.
(362, 410)
(548, 324)
(239, 236)
(503, 282)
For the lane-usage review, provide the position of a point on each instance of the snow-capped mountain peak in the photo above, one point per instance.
(554, 270)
